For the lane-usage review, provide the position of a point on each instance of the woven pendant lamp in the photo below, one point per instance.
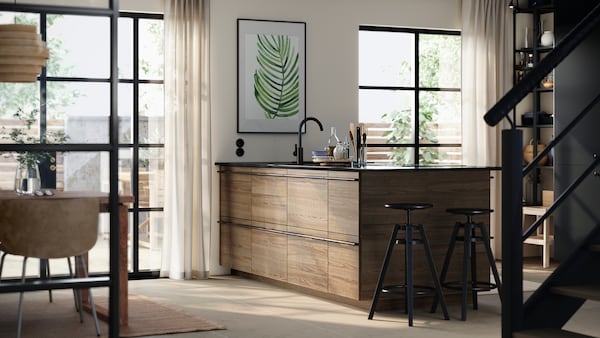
(22, 53)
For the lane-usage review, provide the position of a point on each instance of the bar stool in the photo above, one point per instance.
(410, 290)
(470, 239)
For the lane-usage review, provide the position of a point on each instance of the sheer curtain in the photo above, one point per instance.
(187, 140)
(486, 76)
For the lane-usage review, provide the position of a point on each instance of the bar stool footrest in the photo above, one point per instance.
(473, 238)
(415, 241)
(479, 286)
(419, 290)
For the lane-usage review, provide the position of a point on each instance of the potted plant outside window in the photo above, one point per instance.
(27, 176)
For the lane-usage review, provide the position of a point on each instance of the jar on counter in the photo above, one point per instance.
(339, 152)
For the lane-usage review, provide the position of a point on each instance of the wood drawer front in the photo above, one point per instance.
(307, 203)
(307, 263)
(343, 270)
(225, 243)
(236, 247)
(314, 174)
(236, 197)
(345, 175)
(343, 209)
(269, 254)
(241, 249)
(269, 200)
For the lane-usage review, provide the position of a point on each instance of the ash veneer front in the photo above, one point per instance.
(325, 230)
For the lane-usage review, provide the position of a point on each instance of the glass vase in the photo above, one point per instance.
(27, 178)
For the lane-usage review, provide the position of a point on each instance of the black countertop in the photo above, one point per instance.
(368, 167)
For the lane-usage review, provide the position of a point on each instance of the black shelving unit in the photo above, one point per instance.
(524, 59)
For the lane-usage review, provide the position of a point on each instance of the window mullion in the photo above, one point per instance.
(136, 144)
(43, 81)
(417, 108)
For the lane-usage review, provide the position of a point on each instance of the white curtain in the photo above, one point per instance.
(486, 76)
(187, 140)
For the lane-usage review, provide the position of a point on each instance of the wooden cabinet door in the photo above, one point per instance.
(235, 197)
(269, 254)
(343, 210)
(236, 247)
(307, 205)
(342, 277)
(225, 242)
(241, 248)
(269, 201)
(307, 263)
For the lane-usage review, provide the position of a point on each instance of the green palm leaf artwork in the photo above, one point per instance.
(277, 79)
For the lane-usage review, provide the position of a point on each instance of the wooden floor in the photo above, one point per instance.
(535, 264)
(533, 270)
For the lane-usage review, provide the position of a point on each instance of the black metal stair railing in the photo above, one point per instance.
(558, 201)
(566, 130)
(513, 172)
(533, 227)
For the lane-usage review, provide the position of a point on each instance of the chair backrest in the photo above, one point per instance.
(48, 228)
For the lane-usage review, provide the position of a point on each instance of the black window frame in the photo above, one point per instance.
(416, 89)
(135, 145)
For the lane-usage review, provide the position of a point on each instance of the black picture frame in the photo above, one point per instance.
(271, 75)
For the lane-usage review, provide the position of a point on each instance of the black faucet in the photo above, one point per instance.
(299, 150)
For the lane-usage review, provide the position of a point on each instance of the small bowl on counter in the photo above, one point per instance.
(319, 153)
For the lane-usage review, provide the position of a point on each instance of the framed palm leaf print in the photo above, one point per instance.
(271, 76)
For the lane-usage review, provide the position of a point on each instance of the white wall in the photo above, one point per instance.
(146, 6)
(331, 63)
(331, 70)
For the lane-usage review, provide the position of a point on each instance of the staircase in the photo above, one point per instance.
(577, 279)
(564, 292)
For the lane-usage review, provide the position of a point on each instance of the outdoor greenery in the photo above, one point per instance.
(21, 102)
(17, 100)
(26, 96)
(435, 53)
(27, 136)
(402, 127)
(151, 65)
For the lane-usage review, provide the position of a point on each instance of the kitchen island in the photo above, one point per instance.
(324, 229)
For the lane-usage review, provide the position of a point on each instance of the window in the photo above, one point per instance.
(409, 95)
(73, 96)
(141, 112)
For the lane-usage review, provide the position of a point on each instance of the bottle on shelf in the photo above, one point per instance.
(530, 62)
(521, 64)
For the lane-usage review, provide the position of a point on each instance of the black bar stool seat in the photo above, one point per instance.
(409, 289)
(470, 239)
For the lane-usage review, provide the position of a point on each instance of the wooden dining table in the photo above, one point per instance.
(103, 206)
